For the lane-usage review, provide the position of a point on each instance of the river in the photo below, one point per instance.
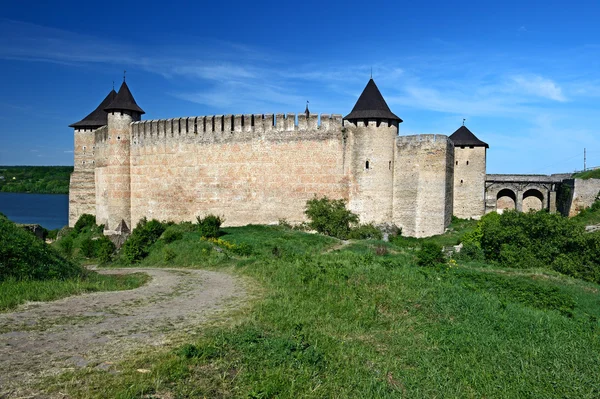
(48, 210)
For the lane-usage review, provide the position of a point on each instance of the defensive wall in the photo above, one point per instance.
(82, 181)
(263, 168)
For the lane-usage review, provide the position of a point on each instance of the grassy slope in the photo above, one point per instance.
(35, 179)
(589, 174)
(14, 292)
(349, 323)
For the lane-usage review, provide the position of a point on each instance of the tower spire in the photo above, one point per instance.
(124, 73)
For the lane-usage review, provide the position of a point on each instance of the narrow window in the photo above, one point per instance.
(462, 146)
(461, 182)
(457, 162)
(367, 165)
(467, 162)
(471, 146)
(390, 165)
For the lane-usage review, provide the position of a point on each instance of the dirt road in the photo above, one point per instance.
(98, 329)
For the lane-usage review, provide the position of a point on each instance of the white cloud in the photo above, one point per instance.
(540, 87)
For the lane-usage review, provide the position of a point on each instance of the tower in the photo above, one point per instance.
(469, 174)
(372, 130)
(116, 174)
(82, 192)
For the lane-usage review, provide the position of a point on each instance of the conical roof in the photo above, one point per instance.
(371, 105)
(124, 101)
(463, 136)
(98, 116)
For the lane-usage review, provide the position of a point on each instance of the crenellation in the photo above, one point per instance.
(279, 122)
(154, 128)
(290, 122)
(238, 123)
(302, 122)
(312, 122)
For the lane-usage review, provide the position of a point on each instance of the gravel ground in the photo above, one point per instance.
(99, 329)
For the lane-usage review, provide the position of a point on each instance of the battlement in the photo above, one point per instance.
(220, 127)
(101, 135)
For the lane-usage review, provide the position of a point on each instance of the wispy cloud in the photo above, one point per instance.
(540, 87)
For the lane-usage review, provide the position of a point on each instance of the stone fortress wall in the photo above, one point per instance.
(263, 168)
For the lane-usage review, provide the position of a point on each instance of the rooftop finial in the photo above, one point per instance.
(124, 72)
(464, 121)
(307, 112)
(113, 84)
(371, 72)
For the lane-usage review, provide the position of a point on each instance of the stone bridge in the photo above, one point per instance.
(522, 192)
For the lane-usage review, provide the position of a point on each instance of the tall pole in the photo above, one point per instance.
(584, 160)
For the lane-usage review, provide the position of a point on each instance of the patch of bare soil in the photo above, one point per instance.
(98, 329)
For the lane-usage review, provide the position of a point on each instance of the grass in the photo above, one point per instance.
(15, 292)
(588, 174)
(351, 323)
(589, 216)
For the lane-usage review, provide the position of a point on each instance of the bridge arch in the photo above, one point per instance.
(506, 199)
(533, 199)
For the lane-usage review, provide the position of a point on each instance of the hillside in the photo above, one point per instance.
(363, 318)
(35, 179)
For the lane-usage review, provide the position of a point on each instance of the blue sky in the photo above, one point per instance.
(524, 74)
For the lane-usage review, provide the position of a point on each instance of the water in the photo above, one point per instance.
(49, 210)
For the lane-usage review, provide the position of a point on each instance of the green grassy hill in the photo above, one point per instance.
(363, 319)
(35, 179)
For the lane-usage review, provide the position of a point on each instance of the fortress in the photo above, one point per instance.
(263, 168)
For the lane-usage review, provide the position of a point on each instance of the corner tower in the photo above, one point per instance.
(469, 173)
(82, 188)
(115, 175)
(372, 129)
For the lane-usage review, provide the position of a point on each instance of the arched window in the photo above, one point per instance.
(367, 165)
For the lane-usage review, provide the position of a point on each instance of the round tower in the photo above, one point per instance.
(372, 131)
(121, 112)
(469, 174)
(82, 192)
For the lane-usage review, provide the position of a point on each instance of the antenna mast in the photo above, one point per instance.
(584, 160)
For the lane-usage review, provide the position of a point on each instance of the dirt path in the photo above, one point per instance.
(98, 329)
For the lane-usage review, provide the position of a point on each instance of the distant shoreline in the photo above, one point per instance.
(35, 179)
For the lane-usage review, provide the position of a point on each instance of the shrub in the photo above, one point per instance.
(85, 220)
(87, 247)
(430, 255)
(104, 249)
(242, 249)
(23, 256)
(210, 226)
(330, 217)
(66, 246)
(172, 233)
(470, 251)
(365, 232)
(142, 237)
(169, 254)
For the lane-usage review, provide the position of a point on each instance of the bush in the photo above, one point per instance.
(171, 234)
(430, 255)
(242, 249)
(66, 246)
(142, 237)
(330, 217)
(104, 249)
(470, 252)
(169, 254)
(23, 256)
(85, 220)
(88, 248)
(210, 226)
(365, 232)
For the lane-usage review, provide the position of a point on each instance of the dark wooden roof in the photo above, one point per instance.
(124, 101)
(98, 116)
(463, 136)
(371, 105)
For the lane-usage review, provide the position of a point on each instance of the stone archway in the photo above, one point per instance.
(506, 199)
(533, 199)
